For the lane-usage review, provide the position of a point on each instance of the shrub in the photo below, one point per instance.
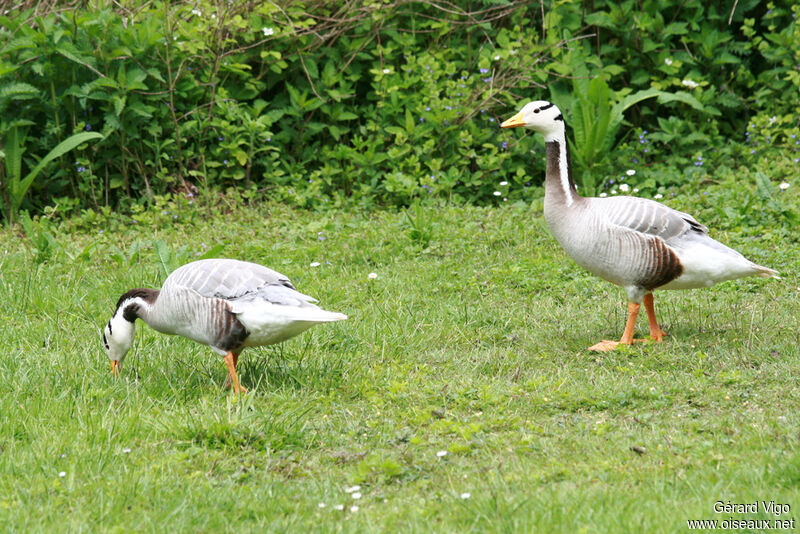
(315, 103)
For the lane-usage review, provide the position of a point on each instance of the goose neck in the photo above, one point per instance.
(559, 185)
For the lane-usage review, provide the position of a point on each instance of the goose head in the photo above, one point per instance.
(541, 116)
(117, 339)
(119, 331)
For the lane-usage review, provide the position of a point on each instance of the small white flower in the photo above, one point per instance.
(497, 193)
(658, 196)
(497, 58)
(613, 191)
(338, 507)
(371, 276)
(387, 71)
(314, 264)
(690, 84)
(353, 489)
(321, 505)
(503, 183)
(624, 187)
(635, 189)
(773, 120)
(126, 451)
(356, 495)
(784, 186)
(465, 495)
(62, 474)
(441, 454)
(197, 13)
(603, 195)
(668, 61)
(213, 15)
(354, 508)
(267, 31)
(630, 172)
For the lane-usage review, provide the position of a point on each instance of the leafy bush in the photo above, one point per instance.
(315, 103)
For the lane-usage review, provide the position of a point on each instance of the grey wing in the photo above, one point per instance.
(225, 278)
(274, 294)
(648, 217)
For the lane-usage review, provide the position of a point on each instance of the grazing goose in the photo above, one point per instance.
(226, 304)
(633, 242)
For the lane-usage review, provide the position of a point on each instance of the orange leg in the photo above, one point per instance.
(627, 335)
(114, 367)
(656, 334)
(231, 360)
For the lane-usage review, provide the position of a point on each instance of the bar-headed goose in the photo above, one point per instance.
(633, 242)
(226, 304)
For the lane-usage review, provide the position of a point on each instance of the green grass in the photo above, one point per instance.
(474, 345)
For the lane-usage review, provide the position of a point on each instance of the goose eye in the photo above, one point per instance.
(536, 110)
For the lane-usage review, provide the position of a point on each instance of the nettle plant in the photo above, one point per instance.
(315, 103)
(428, 125)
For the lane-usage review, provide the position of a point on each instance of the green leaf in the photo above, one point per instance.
(681, 96)
(17, 43)
(119, 104)
(13, 144)
(67, 50)
(764, 186)
(20, 188)
(311, 66)
(18, 91)
(165, 257)
(240, 155)
(211, 253)
(676, 28)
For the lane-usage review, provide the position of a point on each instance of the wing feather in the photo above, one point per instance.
(225, 278)
(648, 217)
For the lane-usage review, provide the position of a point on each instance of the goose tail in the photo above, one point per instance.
(319, 316)
(765, 272)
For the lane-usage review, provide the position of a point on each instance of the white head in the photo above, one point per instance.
(540, 116)
(119, 331)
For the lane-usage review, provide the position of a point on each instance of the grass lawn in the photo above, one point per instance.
(459, 395)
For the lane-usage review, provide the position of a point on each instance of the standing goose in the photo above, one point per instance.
(225, 304)
(633, 242)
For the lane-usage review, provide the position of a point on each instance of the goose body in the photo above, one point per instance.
(639, 244)
(223, 303)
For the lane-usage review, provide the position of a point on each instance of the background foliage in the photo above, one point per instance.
(323, 103)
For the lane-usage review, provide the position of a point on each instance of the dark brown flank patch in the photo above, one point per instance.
(231, 332)
(665, 266)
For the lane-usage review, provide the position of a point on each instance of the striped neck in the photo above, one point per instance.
(136, 304)
(558, 180)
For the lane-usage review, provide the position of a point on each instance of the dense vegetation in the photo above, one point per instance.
(323, 103)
